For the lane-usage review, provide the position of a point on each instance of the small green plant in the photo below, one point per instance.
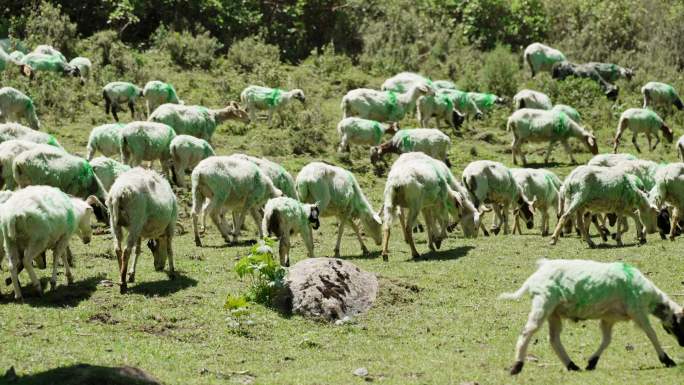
(265, 273)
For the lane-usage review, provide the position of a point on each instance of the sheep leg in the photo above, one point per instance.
(284, 249)
(13, 260)
(29, 255)
(343, 144)
(567, 214)
(516, 223)
(641, 237)
(498, 219)
(568, 149)
(256, 215)
(545, 222)
(538, 314)
(169, 251)
(238, 220)
(584, 229)
(410, 221)
(657, 141)
(340, 230)
(505, 214)
(514, 150)
(131, 242)
(131, 106)
(549, 149)
(357, 231)
(217, 216)
(618, 232)
(430, 225)
(134, 264)
(673, 224)
(114, 108)
(642, 321)
(402, 220)
(555, 328)
(385, 240)
(307, 236)
(634, 141)
(607, 332)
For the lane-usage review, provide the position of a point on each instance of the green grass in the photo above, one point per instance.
(436, 320)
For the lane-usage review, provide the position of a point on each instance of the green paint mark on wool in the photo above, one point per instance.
(445, 99)
(274, 97)
(652, 116)
(29, 105)
(561, 126)
(488, 100)
(377, 131)
(71, 219)
(52, 141)
(85, 176)
(405, 140)
(461, 99)
(671, 90)
(391, 103)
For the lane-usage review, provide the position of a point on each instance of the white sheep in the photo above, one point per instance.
(147, 141)
(403, 81)
(229, 183)
(532, 125)
(485, 101)
(430, 141)
(569, 111)
(284, 217)
(186, 152)
(383, 106)
(120, 93)
(11, 131)
(362, 132)
(198, 121)
(105, 139)
(540, 187)
(531, 99)
(610, 160)
(418, 183)
(39, 218)
(157, 93)
(669, 189)
(107, 170)
(15, 105)
(581, 289)
(46, 49)
(462, 102)
(640, 120)
(35, 61)
(541, 57)
(84, 66)
(143, 202)
(278, 174)
(661, 94)
(337, 193)
(256, 98)
(441, 107)
(680, 148)
(444, 84)
(8, 151)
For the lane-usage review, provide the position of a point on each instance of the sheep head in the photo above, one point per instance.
(458, 118)
(648, 214)
(663, 223)
(99, 210)
(375, 153)
(672, 320)
(526, 210)
(158, 249)
(590, 141)
(314, 213)
(373, 226)
(299, 95)
(392, 128)
(628, 73)
(667, 133)
(233, 111)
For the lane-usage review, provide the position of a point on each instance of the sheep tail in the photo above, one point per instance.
(525, 286)
(197, 197)
(113, 203)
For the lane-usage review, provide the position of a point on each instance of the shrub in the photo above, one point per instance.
(46, 25)
(500, 73)
(191, 51)
(247, 54)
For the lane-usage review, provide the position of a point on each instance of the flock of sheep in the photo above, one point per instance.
(58, 193)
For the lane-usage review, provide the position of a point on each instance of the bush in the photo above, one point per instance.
(191, 51)
(248, 54)
(265, 274)
(500, 73)
(516, 23)
(46, 25)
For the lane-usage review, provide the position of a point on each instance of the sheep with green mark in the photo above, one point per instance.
(540, 187)
(186, 152)
(105, 139)
(362, 132)
(605, 190)
(157, 93)
(642, 120)
(662, 95)
(430, 141)
(419, 184)
(532, 125)
(485, 102)
(35, 62)
(383, 106)
(531, 99)
(46, 49)
(147, 141)
(284, 217)
(8, 151)
(441, 107)
(278, 174)
(16, 56)
(12, 131)
(40, 218)
(84, 66)
(337, 193)
(569, 111)
(541, 58)
(404, 81)
(116, 94)
(610, 160)
(142, 202)
(612, 72)
(15, 105)
(107, 170)
(580, 290)
(230, 184)
(198, 121)
(461, 102)
(273, 100)
(669, 190)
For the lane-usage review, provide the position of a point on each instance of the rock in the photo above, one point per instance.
(327, 289)
(360, 372)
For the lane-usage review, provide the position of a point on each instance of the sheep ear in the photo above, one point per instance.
(591, 140)
(377, 219)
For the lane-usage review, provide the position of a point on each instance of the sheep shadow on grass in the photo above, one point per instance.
(61, 296)
(551, 164)
(444, 255)
(163, 287)
(83, 374)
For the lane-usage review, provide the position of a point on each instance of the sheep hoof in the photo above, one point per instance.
(385, 257)
(642, 241)
(592, 245)
(365, 252)
(131, 277)
(415, 255)
(39, 290)
(572, 367)
(337, 253)
(495, 230)
(553, 241)
(485, 232)
(667, 361)
(591, 365)
(123, 288)
(198, 242)
(438, 244)
(672, 237)
(53, 284)
(546, 234)
(172, 275)
(517, 368)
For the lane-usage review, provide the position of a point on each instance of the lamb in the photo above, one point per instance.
(566, 69)
(530, 125)
(612, 72)
(569, 111)
(362, 132)
(11, 131)
(285, 216)
(660, 94)
(383, 106)
(233, 184)
(84, 66)
(147, 141)
(421, 184)
(256, 98)
(610, 160)
(492, 183)
(281, 179)
(336, 192)
(531, 99)
(485, 102)
(39, 218)
(157, 93)
(35, 62)
(118, 93)
(541, 188)
(430, 141)
(541, 57)
(642, 120)
(8, 151)
(404, 81)
(441, 107)
(105, 139)
(197, 121)
(581, 289)
(669, 189)
(15, 105)
(605, 190)
(143, 202)
(186, 152)
(107, 170)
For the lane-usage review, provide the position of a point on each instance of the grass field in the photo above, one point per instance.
(436, 321)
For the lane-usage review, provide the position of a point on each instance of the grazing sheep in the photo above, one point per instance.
(531, 99)
(107, 170)
(610, 160)
(642, 120)
(11, 131)
(39, 218)
(186, 152)
(15, 105)
(579, 290)
(362, 132)
(198, 121)
(485, 102)
(157, 93)
(147, 141)
(541, 188)
(430, 141)
(119, 93)
(230, 183)
(143, 202)
(612, 72)
(8, 151)
(105, 139)
(256, 98)
(462, 102)
(284, 217)
(404, 81)
(669, 189)
(35, 62)
(383, 106)
(530, 125)
(566, 69)
(541, 57)
(441, 107)
(281, 179)
(660, 94)
(569, 111)
(421, 184)
(337, 193)
(84, 66)
(605, 190)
